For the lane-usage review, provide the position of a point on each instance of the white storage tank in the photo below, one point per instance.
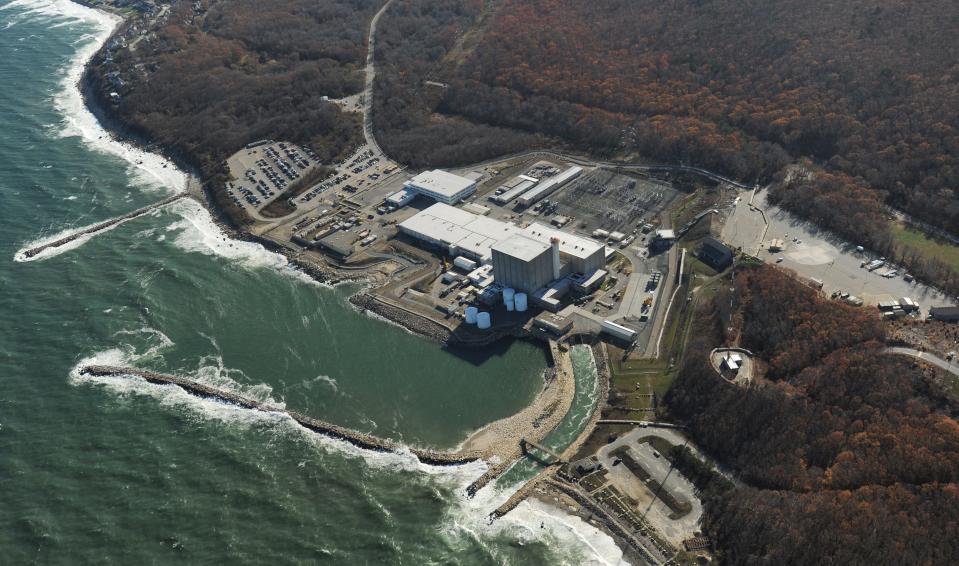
(510, 305)
(471, 313)
(508, 294)
(521, 302)
(483, 320)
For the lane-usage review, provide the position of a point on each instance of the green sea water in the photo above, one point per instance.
(115, 471)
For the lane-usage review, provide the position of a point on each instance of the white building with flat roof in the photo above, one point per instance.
(458, 232)
(579, 253)
(523, 258)
(441, 186)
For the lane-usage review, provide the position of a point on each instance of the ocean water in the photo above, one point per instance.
(115, 471)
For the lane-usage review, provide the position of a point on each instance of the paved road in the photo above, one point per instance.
(370, 76)
(952, 368)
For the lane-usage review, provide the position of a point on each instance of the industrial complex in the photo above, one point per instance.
(536, 259)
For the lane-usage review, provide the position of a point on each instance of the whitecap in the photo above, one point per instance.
(198, 233)
(21, 254)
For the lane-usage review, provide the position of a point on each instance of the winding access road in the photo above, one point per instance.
(952, 368)
(370, 76)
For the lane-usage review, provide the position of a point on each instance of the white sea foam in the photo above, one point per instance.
(198, 233)
(147, 169)
(21, 256)
(581, 542)
(531, 521)
(200, 408)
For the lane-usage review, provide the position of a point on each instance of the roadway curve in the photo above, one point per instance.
(370, 76)
(645, 167)
(926, 357)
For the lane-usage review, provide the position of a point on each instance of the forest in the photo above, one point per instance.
(416, 41)
(866, 90)
(848, 455)
(211, 76)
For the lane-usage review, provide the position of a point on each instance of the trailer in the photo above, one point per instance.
(618, 330)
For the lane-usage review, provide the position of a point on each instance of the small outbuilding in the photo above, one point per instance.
(945, 314)
(715, 254)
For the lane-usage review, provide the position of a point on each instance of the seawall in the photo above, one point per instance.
(101, 226)
(356, 438)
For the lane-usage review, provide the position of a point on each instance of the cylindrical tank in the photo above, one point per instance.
(471, 313)
(521, 302)
(483, 320)
(510, 305)
(508, 294)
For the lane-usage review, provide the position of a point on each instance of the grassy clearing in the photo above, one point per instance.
(928, 247)
(697, 267)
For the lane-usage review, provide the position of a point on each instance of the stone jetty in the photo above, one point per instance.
(356, 438)
(101, 226)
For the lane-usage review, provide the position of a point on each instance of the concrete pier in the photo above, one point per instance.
(101, 226)
(356, 438)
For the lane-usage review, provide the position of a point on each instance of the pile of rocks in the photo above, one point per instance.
(412, 322)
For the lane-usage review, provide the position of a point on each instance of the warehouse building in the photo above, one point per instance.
(457, 232)
(527, 259)
(578, 254)
(549, 186)
(441, 186)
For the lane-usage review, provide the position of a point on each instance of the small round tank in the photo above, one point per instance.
(483, 320)
(471, 313)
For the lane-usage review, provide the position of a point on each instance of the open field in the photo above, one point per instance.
(929, 247)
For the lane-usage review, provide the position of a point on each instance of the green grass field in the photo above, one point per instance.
(930, 247)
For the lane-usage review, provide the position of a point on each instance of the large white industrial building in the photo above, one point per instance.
(526, 259)
(458, 232)
(441, 186)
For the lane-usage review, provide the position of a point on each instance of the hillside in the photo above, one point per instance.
(205, 78)
(867, 89)
(849, 456)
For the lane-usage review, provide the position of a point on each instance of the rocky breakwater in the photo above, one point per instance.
(501, 439)
(356, 438)
(415, 323)
(31, 252)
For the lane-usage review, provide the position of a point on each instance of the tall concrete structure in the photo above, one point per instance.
(526, 259)
(522, 263)
(557, 264)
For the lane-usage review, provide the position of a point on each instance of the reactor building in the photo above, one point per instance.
(538, 259)
(524, 264)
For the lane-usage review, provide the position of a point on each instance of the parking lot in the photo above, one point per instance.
(816, 254)
(355, 175)
(658, 468)
(261, 174)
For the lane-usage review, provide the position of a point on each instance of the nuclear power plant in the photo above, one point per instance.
(539, 261)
